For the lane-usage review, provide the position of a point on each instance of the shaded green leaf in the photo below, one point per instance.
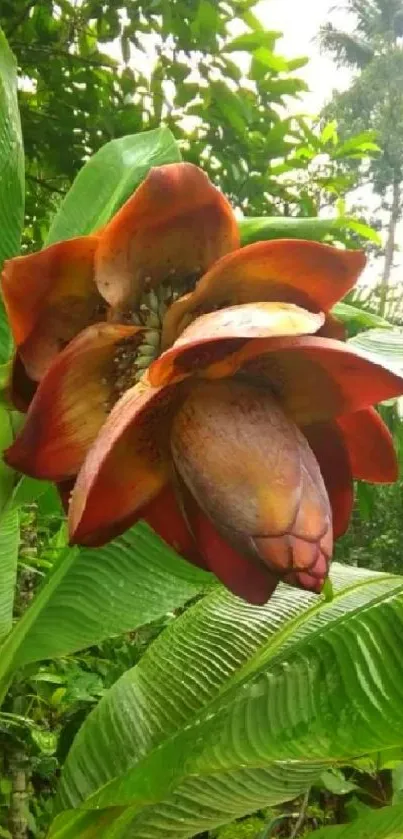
(108, 179)
(334, 781)
(375, 824)
(357, 317)
(279, 227)
(386, 346)
(11, 156)
(9, 543)
(11, 175)
(93, 594)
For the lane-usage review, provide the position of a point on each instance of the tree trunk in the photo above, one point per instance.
(390, 244)
(17, 814)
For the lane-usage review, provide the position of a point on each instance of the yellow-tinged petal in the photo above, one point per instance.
(126, 468)
(289, 270)
(175, 226)
(218, 334)
(50, 297)
(70, 405)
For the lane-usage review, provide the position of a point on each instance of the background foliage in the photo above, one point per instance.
(94, 71)
(84, 621)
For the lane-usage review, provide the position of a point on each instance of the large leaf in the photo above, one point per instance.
(11, 175)
(107, 180)
(385, 345)
(9, 527)
(9, 543)
(358, 318)
(317, 229)
(93, 594)
(377, 824)
(235, 707)
(7, 475)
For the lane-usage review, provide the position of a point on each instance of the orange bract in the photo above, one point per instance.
(50, 297)
(70, 405)
(289, 270)
(177, 224)
(239, 442)
(127, 466)
(370, 447)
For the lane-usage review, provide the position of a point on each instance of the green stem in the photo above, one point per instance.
(18, 810)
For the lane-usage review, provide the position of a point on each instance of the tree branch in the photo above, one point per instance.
(45, 184)
(302, 815)
(89, 62)
(20, 19)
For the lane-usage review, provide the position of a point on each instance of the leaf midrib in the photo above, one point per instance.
(280, 638)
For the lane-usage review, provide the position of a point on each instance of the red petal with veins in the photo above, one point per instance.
(176, 225)
(315, 379)
(127, 466)
(327, 444)
(245, 578)
(50, 297)
(70, 405)
(370, 447)
(165, 517)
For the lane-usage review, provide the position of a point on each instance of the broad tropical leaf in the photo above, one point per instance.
(386, 345)
(317, 229)
(11, 174)
(107, 180)
(9, 527)
(235, 707)
(93, 594)
(358, 318)
(7, 475)
(9, 543)
(377, 824)
(11, 156)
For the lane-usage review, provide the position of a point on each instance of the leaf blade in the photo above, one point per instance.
(377, 824)
(9, 542)
(245, 696)
(95, 593)
(11, 175)
(108, 179)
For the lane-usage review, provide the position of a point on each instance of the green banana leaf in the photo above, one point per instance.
(316, 229)
(236, 707)
(11, 175)
(94, 594)
(108, 179)
(385, 346)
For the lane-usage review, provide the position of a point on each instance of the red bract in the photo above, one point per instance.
(197, 385)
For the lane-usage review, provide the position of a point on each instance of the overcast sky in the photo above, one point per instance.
(300, 21)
